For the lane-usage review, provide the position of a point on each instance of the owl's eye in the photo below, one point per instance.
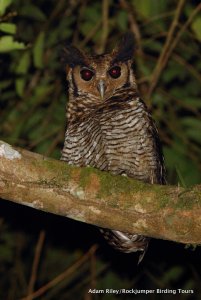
(86, 74)
(115, 72)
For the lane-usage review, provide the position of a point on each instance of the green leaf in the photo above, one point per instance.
(153, 45)
(38, 50)
(24, 63)
(196, 27)
(180, 176)
(173, 274)
(3, 5)
(191, 122)
(194, 135)
(43, 90)
(21, 69)
(150, 8)
(93, 13)
(122, 20)
(33, 12)
(19, 85)
(8, 28)
(85, 28)
(172, 73)
(4, 84)
(192, 128)
(193, 101)
(8, 44)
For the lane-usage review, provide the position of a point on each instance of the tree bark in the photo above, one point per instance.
(99, 198)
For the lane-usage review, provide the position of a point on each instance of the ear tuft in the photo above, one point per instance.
(71, 56)
(125, 49)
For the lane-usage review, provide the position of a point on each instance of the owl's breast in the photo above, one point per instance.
(130, 145)
(117, 141)
(84, 144)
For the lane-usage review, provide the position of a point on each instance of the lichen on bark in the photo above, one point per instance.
(102, 199)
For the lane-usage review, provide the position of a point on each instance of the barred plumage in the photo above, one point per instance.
(109, 126)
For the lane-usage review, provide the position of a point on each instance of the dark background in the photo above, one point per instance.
(33, 96)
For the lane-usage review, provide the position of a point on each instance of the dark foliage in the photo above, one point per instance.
(32, 114)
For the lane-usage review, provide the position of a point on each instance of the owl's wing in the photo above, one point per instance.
(159, 153)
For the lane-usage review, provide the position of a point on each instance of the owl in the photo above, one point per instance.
(109, 126)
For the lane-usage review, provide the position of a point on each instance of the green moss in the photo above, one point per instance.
(85, 174)
(187, 200)
(109, 183)
(164, 201)
(169, 220)
(118, 184)
(50, 164)
(60, 169)
(113, 203)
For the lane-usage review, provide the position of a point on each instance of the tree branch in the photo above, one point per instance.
(99, 198)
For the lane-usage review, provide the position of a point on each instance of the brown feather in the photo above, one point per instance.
(114, 134)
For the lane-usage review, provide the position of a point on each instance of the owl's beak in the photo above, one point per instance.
(101, 88)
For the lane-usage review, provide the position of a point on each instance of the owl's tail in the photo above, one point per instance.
(126, 242)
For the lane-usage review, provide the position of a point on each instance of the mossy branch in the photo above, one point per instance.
(99, 198)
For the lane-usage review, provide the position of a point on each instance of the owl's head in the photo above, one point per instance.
(99, 77)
